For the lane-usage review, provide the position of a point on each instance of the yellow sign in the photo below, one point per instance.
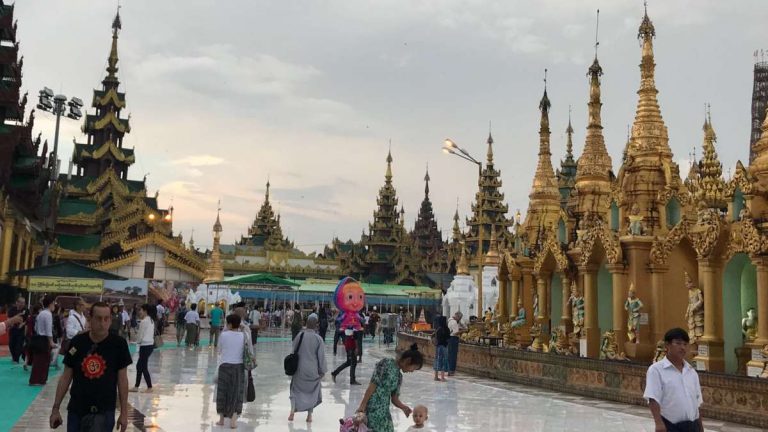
(65, 285)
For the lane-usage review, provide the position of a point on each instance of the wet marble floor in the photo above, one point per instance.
(183, 400)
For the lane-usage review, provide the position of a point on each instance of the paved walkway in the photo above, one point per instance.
(184, 400)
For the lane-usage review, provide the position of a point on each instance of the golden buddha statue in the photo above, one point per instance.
(609, 349)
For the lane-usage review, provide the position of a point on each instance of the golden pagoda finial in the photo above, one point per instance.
(388, 175)
(463, 267)
(266, 195)
(649, 134)
(712, 184)
(426, 182)
(594, 161)
(217, 225)
(117, 25)
(569, 132)
(544, 180)
(489, 155)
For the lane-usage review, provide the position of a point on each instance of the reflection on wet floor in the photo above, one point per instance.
(183, 400)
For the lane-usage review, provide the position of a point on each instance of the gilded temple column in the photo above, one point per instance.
(620, 290)
(565, 316)
(542, 286)
(7, 241)
(762, 301)
(710, 346)
(503, 305)
(541, 291)
(515, 294)
(656, 320)
(591, 327)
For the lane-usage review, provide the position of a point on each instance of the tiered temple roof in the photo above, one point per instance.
(429, 240)
(24, 166)
(492, 214)
(266, 230)
(103, 217)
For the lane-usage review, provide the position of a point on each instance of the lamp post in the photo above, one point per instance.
(450, 147)
(55, 105)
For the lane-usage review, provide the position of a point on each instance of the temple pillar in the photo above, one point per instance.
(710, 347)
(503, 305)
(656, 320)
(590, 340)
(515, 294)
(542, 286)
(5, 252)
(757, 360)
(620, 290)
(565, 318)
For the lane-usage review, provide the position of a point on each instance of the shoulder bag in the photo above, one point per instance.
(65, 340)
(291, 362)
(248, 361)
(250, 394)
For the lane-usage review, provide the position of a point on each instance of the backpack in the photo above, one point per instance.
(291, 361)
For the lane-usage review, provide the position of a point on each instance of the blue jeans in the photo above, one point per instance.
(74, 420)
(453, 352)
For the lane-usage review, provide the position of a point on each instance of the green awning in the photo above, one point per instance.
(257, 279)
(68, 269)
(374, 289)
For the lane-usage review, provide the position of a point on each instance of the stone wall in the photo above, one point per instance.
(726, 397)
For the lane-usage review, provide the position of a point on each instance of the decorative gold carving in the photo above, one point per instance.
(662, 247)
(597, 230)
(609, 349)
(706, 232)
(551, 246)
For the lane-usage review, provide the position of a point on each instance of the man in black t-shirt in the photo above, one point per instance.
(96, 366)
(16, 333)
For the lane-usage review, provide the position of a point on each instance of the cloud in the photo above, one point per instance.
(199, 160)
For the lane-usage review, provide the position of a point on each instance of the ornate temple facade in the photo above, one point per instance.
(389, 252)
(694, 251)
(266, 250)
(107, 220)
(25, 165)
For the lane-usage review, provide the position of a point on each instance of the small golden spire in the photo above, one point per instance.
(492, 256)
(649, 133)
(117, 25)
(388, 175)
(463, 267)
(426, 182)
(712, 184)
(489, 154)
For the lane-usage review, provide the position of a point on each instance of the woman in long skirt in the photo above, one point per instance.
(305, 383)
(230, 385)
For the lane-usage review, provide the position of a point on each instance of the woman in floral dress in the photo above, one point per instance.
(385, 387)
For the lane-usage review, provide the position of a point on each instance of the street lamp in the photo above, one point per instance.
(450, 147)
(55, 104)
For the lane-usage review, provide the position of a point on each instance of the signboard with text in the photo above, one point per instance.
(65, 285)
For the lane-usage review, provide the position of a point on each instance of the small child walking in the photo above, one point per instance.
(350, 345)
(420, 417)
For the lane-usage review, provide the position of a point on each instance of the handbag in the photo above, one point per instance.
(291, 361)
(248, 361)
(159, 341)
(250, 394)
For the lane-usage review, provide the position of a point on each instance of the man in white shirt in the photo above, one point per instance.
(456, 328)
(76, 323)
(672, 388)
(161, 315)
(42, 343)
(192, 318)
(255, 319)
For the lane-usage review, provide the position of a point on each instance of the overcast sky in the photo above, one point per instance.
(225, 94)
